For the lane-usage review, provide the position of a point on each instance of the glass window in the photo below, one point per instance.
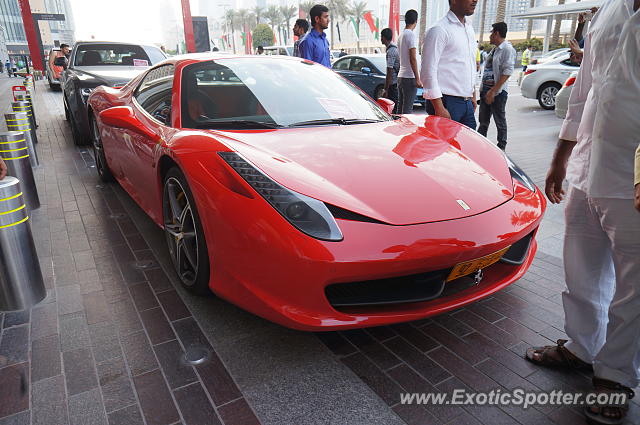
(279, 92)
(357, 64)
(110, 54)
(154, 93)
(155, 54)
(342, 64)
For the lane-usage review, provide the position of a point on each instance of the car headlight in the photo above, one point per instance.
(518, 174)
(308, 215)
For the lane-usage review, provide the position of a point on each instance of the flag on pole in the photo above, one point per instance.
(377, 36)
(355, 28)
(394, 17)
(368, 16)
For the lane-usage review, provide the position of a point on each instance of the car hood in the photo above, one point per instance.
(112, 74)
(396, 172)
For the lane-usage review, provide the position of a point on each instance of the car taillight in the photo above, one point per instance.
(529, 71)
(569, 81)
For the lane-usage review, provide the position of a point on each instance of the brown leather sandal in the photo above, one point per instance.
(566, 359)
(601, 413)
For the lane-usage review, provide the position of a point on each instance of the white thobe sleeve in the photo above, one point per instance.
(435, 40)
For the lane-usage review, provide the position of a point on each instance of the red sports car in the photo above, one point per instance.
(287, 191)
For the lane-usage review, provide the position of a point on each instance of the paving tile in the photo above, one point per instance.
(217, 380)
(195, 406)
(104, 341)
(337, 343)
(69, 299)
(48, 401)
(238, 413)
(143, 296)
(462, 370)
(16, 318)
(79, 371)
(74, 332)
(173, 305)
(375, 378)
(487, 328)
(138, 353)
(158, 280)
(507, 358)
(157, 326)
(376, 352)
(128, 416)
(422, 364)
(117, 390)
(190, 334)
(171, 357)
(136, 242)
(14, 389)
(14, 345)
(381, 333)
(44, 321)
(45, 358)
(414, 414)
(415, 337)
(453, 343)
(22, 418)
(157, 404)
(96, 307)
(503, 376)
(87, 409)
(126, 317)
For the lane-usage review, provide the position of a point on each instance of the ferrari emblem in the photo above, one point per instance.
(463, 204)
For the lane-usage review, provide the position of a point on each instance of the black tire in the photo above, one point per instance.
(66, 110)
(102, 166)
(183, 233)
(547, 95)
(378, 92)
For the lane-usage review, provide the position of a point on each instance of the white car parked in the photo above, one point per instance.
(543, 81)
(562, 98)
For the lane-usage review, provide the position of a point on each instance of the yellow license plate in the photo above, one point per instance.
(468, 267)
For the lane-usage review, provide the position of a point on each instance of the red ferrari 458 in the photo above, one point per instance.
(287, 191)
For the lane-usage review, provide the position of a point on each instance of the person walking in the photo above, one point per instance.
(7, 66)
(602, 237)
(525, 60)
(300, 29)
(498, 68)
(408, 76)
(449, 65)
(315, 46)
(393, 66)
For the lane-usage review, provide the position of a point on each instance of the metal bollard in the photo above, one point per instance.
(19, 121)
(24, 106)
(15, 152)
(27, 98)
(21, 282)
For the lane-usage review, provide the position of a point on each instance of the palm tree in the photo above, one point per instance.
(483, 18)
(257, 12)
(357, 10)
(272, 14)
(532, 3)
(287, 13)
(305, 7)
(500, 12)
(423, 23)
(556, 29)
(231, 22)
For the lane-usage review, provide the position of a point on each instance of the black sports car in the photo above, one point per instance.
(93, 64)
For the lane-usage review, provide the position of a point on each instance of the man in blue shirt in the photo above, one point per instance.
(315, 46)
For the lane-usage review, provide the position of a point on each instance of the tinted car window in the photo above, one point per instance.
(154, 93)
(110, 54)
(358, 63)
(342, 64)
(216, 93)
(155, 54)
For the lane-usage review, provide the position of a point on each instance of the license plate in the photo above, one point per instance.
(468, 267)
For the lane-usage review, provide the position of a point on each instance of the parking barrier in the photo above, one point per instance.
(21, 282)
(25, 106)
(15, 152)
(19, 121)
(26, 97)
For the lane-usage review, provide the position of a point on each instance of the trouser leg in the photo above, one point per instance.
(589, 277)
(400, 95)
(499, 113)
(619, 358)
(392, 92)
(407, 95)
(484, 116)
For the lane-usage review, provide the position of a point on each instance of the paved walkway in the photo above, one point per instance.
(106, 346)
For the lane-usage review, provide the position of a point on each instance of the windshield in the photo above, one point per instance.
(379, 62)
(272, 91)
(111, 54)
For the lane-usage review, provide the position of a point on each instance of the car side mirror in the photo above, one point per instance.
(60, 61)
(365, 70)
(386, 104)
(123, 117)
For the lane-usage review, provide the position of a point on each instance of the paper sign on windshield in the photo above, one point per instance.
(140, 62)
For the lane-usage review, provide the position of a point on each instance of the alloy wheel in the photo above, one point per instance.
(180, 231)
(97, 149)
(548, 96)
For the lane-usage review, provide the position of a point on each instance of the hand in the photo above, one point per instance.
(638, 197)
(553, 183)
(581, 17)
(442, 112)
(418, 83)
(575, 47)
(3, 169)
(489, 97)
(385, 93)
(475, 103)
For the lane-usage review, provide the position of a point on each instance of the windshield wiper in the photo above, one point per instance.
(236, 124)
(340, 121)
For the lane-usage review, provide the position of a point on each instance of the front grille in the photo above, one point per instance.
(518, 251)
(402, 289)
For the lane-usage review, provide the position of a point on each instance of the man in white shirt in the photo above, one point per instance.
(602, 236)
(449, 65)
(408, 76)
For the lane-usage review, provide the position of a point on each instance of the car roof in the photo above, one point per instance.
(124, 43)
(366, 56)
